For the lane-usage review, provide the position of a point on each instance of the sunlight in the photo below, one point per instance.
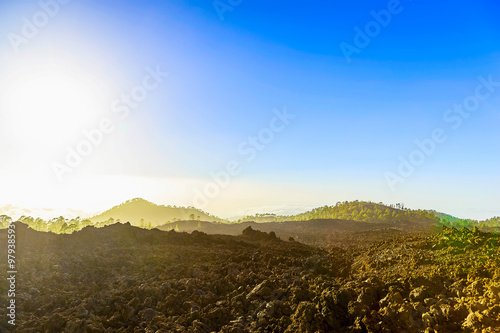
(50, 107)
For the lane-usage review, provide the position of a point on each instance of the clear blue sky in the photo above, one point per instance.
(353, 119)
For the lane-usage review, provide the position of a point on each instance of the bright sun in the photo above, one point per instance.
(48, 108)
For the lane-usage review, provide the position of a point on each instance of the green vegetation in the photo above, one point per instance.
(354, 210)
(375, 212)
(59, 225)
(141, 213)
(138, 212)
(493, 222)
(144, 214)
(452, 221)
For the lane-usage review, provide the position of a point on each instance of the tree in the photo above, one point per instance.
(191, 216)
(64, 228)
(4, 221)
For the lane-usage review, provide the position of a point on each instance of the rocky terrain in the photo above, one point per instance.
(124, 279)
(320, 232)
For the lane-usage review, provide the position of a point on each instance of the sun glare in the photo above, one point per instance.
(50, 107)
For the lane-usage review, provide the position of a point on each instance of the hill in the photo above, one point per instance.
(452, 221)
(353, 211)
(492, 225)
(140, 212)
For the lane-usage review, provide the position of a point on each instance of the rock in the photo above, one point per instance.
(428, 319)
(419, 294)
(258, 235)
(263, 289)
(55, 323)
(200, 326)
(114, 321)
(494, 291)
(147, 315)
(473, 321)
(214, 314)
(303, 317)
(127, 312)
(391, 298)
(75, 326)
(430, 301)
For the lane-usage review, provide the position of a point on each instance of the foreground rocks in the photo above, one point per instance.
(124, 279)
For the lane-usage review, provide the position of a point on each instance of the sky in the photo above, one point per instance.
(237, 106)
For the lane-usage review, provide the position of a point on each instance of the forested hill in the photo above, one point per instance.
(145, 214)
(353, 210)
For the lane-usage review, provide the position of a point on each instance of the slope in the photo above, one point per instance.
(143, 213)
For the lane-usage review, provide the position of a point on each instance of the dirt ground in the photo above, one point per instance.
(125, 279)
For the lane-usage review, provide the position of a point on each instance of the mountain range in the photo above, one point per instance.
(360, 215)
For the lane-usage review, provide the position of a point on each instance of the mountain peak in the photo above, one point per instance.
(141, 212)
(139, 200)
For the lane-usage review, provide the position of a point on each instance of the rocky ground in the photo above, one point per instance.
(125, 279)
(319, 232)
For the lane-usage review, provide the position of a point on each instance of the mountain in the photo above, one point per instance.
(452, 221)
(354, 211)
(143, 213)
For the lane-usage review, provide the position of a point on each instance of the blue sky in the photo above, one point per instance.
(352, 119)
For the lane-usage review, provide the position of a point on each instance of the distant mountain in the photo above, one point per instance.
(444, 216)
(452, 221)
(140, 212)
(492, 224)
(354, 211)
